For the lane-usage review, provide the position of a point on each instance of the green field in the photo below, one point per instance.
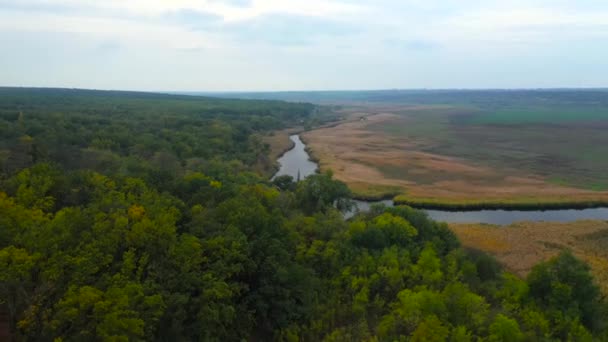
(541, 115)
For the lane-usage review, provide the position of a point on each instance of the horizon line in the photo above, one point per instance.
(195, 92)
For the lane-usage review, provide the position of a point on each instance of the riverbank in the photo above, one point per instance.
(509, 204)
(279, 144)
(522, 245)
(295, 162)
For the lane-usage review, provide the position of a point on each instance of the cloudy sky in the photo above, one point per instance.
(238, 45)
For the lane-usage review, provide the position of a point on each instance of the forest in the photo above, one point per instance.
(146, 217)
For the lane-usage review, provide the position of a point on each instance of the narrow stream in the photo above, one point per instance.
(296, 161)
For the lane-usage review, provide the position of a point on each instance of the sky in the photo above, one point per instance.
(275, 45)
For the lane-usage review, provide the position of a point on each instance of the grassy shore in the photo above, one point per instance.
(510, 204)
(372, 192)
(279, 144)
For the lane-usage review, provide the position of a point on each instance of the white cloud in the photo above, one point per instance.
(133, 32)
(228, 10)
(535, 17)
(310, 43)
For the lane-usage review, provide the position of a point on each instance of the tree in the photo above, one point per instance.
(564, 285)
(460, 334)
(119, 313)
(409, 312)
(284, 182)
(33, 187)
(428, 267)
(143, 217)
(430, 330)
(320, 192)
(465, 307)
(504, 329)
(383, 231)
(16, 281)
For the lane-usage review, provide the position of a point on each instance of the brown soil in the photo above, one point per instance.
(520, 246)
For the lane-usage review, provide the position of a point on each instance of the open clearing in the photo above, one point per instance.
(520, 246)
(436, 153)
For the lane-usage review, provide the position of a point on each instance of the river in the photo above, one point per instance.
(296, 161)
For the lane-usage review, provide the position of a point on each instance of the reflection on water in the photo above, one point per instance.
(295, 161)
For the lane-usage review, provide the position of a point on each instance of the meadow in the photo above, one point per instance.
(485, 149)
(520, 246)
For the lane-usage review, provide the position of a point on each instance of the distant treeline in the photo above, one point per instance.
(484, 98)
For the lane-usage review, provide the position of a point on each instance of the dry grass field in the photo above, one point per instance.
(520, 246)
(378, 155)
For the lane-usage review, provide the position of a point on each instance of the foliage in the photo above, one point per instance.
(564, 288)
(167, 233)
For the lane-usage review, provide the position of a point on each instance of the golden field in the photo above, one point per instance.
(520, 246)
(378, 164)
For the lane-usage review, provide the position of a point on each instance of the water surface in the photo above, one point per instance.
(503, 217)
(296, 161)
